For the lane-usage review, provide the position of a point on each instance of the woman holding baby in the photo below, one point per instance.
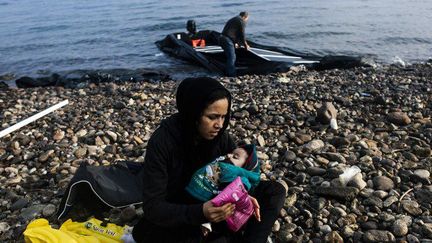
(182, 144)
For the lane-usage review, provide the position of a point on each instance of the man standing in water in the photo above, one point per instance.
(233, 35)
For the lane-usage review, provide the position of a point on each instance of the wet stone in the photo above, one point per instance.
(59, 135)
(19, 204)
(49, 210)
(325, 229)
(341, 193)
(44, 156)
(4, 227)
(424, 196)
(427, 230)
(421, 175)
(276, 226)
(411, 207)
(369, 225)
(111, 149)
(290, 200)
(31, 212)
(412, 239)
(422, 152)
(304, 137)
(250, 126)
(400, 228)
(119, 105)
(340, 141)
(373, 201)
(346, 220)
(380, 194)
(261, 141)
(316, 171)
(316, 180)
(410, 156)
(326, 112)
(289, 156)
(383, 183)
(389, 201)
(80, 153)
(399, 118)
(314, 145)
(112, 135)
(335, 157)
(378, 236)
(357, 182)
(333, 237)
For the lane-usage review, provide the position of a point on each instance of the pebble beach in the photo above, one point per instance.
(384, 129)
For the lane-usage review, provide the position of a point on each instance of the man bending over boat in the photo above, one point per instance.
(233, 36)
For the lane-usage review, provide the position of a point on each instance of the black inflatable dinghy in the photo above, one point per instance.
(202, 48)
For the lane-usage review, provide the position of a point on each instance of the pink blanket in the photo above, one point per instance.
(235, 193)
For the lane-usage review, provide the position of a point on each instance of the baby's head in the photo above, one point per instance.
(238, 156)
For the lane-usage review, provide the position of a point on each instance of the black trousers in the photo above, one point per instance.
(270, 195)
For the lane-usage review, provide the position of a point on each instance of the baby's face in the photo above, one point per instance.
(238, 157)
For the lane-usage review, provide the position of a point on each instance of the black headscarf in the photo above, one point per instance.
(192, 98)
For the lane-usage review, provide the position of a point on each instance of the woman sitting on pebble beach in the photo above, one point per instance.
(183, 143)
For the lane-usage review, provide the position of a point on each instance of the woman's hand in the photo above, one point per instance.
(217, 214)
(256, 208)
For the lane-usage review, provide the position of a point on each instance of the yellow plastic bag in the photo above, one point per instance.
(39, 231)
(90, 231)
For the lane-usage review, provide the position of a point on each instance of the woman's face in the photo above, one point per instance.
(212, 119)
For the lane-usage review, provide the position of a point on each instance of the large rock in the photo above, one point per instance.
(421, 175)
(357, 182)
(49, 210)
(326, 112)
(337, 192)
(378, 236)
(427, 230)
(333, 237)
(335, 157)
(424, 196)
(411, 207)
(19, 204)
(30, 213)
(80, 152)
(4, 227)
(400, 228)
(423, 152)
(399, 118)
(383, 183)
(314, 145)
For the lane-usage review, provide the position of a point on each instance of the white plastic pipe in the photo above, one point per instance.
(33, 118)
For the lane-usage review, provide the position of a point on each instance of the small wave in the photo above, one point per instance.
(407, 40)
(29, 47)
(228, 5)
(312, 34)
(97, 40)
(48, 28)
(165, 27)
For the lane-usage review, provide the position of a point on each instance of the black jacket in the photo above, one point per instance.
(168, 167)
(235, 30)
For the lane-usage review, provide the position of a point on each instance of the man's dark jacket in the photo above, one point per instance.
(235, 30)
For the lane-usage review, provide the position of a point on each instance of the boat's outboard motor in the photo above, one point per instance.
(191, 27)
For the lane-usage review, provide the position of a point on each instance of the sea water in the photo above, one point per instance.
(46, 36)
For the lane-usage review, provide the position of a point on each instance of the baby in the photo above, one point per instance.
(209, 181)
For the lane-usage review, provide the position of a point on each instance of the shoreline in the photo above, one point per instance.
(385, 129)
(81, 78)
